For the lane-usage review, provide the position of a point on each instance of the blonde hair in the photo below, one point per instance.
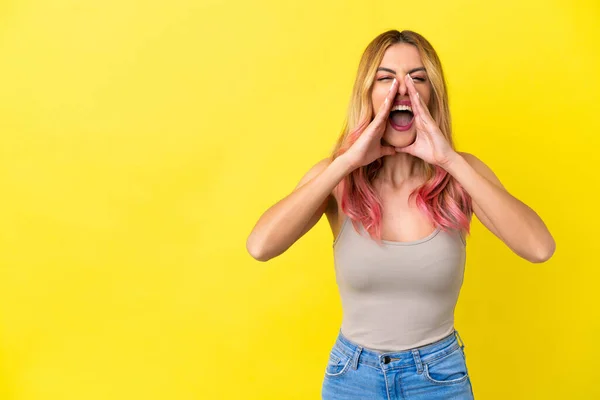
(441, 197)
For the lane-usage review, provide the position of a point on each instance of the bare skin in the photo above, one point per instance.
(402, 221)
(508, 218)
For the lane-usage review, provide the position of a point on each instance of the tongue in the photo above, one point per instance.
(401, 118)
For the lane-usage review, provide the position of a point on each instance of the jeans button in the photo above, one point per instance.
(386, 359)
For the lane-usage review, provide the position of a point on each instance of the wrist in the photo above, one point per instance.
(451, 160)
(346, 164)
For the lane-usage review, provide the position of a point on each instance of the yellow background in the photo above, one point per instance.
(141, 141)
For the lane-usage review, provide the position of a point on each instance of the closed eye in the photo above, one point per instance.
(414, 78)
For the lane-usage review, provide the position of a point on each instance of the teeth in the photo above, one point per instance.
(401, 107)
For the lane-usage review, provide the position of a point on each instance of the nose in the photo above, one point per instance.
(402, 87)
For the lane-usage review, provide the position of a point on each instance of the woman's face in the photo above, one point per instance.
(399, 60)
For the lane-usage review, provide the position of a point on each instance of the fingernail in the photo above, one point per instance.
(393, 82)
(410, 77)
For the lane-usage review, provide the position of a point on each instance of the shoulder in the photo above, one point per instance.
(470, 158)
(314, 170)
(481, 167)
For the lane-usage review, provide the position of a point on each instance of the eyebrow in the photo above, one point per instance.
(394, 72)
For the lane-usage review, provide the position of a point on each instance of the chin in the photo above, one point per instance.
(399, 139)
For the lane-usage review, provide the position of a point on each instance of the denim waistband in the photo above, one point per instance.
(398, 359)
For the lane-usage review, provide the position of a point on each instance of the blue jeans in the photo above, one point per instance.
(434, 371)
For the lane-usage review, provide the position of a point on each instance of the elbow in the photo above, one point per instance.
(256, 251)
(544, 253)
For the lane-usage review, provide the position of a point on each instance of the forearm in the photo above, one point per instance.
(516, 224)
(286, 221)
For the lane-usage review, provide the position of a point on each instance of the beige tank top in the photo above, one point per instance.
(399, 295)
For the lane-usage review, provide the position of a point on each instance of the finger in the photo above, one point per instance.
(384, 109)
(407, 149)
(414, 96)
(417, 102)
(388, 150)
(423, 110)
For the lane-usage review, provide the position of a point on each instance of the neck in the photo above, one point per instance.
(398, 170)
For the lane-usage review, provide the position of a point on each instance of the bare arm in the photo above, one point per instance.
(289, 219)
(507, 217)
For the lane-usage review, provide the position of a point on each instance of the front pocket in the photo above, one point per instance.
(449, 370)
(337, 364)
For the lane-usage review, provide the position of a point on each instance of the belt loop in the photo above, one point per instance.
(356, 356)
(460, 341)
(417, 358)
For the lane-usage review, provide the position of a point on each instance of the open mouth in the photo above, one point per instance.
(401, 117)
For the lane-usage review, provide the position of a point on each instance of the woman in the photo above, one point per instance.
(395, 174)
